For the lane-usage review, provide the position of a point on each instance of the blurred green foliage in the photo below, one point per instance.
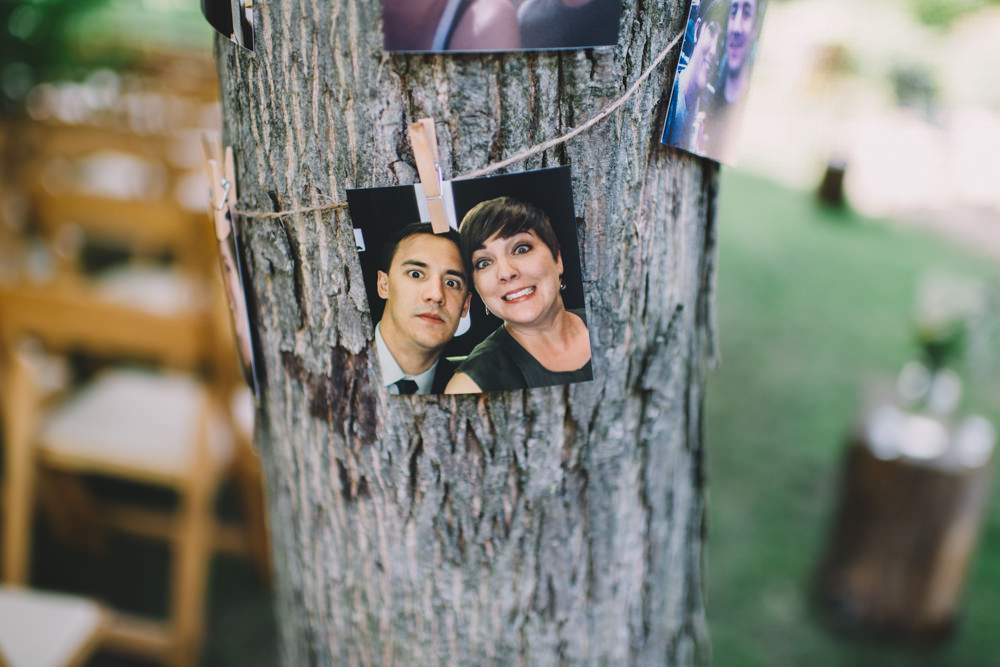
(935, 12)
(37, 45)
(45, 40)
(943, 12)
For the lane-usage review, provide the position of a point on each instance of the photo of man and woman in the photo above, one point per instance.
(494, 305)
(498, 25)
(713, 77)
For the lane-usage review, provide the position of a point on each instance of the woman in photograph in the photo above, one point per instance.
(450, 25)
(517, 271)
(692, 91)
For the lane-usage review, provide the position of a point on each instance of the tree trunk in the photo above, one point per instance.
(554, 525)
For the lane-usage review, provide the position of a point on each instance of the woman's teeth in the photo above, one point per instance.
(518, 294)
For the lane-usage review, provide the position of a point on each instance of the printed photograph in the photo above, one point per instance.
(234, 279)
(494, 305)
(232, 18)
(713, 77)
(499, 25)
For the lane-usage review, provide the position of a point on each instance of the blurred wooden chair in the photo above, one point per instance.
(166, 429)
(170, 428)
(180, 74)
(95, 184)
(42, 629)
(172, 265)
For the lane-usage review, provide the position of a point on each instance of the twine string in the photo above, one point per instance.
(610, 109)
(523, 155)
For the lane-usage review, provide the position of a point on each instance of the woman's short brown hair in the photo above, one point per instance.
(504, 216)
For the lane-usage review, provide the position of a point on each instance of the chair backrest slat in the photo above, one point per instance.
(74, 318)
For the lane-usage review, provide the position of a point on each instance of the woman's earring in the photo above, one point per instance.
(562, 285)
(487, 309)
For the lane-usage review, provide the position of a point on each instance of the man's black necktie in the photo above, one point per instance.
(406, 386)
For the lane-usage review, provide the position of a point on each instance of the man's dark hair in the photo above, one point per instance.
(504, 216)
(414, 228)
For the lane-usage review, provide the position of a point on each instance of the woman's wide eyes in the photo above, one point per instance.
(519, 249)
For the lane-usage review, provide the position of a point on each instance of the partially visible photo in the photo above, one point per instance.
(232, 18)
(713, 77)
(495, 305)
(235, 279)
(498, 25)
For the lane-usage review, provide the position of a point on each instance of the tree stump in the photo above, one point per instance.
(904, 535)
(831, 188)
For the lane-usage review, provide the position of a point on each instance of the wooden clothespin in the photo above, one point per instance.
(213, 170)
(423, 137)
(222, 186)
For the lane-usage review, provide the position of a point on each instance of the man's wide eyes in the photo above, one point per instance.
(417, 274)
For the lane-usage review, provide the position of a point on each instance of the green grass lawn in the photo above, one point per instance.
(812, 305)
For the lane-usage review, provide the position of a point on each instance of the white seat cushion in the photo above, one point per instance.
(134, 420)
(163, 291)
(45, 629)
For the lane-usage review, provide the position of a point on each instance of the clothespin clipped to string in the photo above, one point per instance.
(222, 199)
(222, 186)
(213, 171)
(423, 138)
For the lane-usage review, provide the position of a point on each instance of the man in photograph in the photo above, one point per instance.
(691, 89)
(742, 26)
(741, 33)
(425, 285)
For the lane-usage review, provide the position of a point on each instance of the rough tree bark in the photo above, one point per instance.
(557, 525)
